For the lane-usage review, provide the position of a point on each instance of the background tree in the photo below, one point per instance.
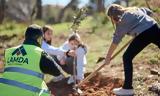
(39, 9)
(21, 10)
(72, 4)
(2, 10)
(100, 5)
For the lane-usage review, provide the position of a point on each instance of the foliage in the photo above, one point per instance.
(11, 28)
(78, 18)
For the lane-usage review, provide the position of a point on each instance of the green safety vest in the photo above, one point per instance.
(22, 75)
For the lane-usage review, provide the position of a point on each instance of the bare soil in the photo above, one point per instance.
(108, 78)
(98, 86)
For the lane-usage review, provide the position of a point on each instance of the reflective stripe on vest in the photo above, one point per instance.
(22, 85)
(24, 71)
(27, 76)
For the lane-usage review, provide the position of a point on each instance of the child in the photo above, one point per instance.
(74, 43)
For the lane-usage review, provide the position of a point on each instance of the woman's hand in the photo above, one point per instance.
(110, 52)
(107, 59)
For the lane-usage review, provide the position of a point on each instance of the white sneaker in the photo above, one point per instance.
(58, 78)
(124, 92)
(79, 91)
(70, 80)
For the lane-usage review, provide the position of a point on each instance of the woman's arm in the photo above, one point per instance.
(52, 50)
(110, 52)
(56, 51)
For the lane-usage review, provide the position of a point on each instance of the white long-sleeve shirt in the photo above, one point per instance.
(52, 50)
(81, 59)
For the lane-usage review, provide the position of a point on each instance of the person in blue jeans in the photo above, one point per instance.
(136, 22)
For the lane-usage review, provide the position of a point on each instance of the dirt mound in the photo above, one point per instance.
(60, 88)
(99, 85)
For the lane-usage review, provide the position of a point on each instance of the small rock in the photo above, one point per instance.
(150, 76)
(155, 88)
(154, 72)
(140, 68)
(91, 90)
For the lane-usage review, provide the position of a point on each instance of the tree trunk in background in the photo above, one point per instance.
(100, 6)
(39, 9)
(2, 10)
(61, 14)
(127, 3)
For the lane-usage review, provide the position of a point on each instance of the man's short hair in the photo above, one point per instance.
(33, 31)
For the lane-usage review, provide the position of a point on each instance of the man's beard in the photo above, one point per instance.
(48, 42)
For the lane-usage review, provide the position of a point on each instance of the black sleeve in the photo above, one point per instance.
(47, 66)
(147, 11)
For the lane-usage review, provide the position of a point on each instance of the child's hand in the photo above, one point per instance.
(62, 62)
(72, 53)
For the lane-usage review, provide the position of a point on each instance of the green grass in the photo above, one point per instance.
(12, 28)
(61, 28)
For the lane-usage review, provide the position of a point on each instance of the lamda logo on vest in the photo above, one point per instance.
(18, 56)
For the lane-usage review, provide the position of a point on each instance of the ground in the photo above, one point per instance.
(98, 42)
(108, 78)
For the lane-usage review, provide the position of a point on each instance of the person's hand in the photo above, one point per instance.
(71, 53)
(107, 60)
(62, 62)
(78, 81)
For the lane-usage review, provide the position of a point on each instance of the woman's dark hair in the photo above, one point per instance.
(45, 29)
